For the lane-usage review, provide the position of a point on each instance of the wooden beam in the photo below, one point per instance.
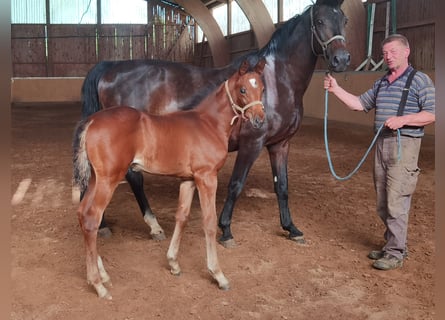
(258, 16)
(217, 43)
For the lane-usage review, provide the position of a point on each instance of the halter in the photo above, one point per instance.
(323, 44)
(236, 107)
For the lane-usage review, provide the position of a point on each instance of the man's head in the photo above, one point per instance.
(395, 51)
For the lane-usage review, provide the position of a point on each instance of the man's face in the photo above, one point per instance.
(395, 55)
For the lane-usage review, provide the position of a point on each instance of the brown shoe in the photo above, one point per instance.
(388, 262)
(376, 254)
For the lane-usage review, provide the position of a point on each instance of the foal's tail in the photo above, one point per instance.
(81, 164)
(90, 93)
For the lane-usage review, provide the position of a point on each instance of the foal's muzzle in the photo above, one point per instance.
(257, 121)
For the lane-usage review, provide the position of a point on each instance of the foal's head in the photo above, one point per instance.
(246, 93)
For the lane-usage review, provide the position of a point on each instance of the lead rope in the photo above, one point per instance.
(236, 107)
(331, 167)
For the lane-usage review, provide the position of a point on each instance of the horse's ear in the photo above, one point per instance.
(260, 66)
(331, 3)
(244, 67)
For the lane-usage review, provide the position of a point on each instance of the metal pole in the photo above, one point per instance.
(394, 16)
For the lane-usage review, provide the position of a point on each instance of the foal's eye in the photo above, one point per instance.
(243, 90)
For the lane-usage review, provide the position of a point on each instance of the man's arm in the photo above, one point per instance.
(350, 100)
(420, 119)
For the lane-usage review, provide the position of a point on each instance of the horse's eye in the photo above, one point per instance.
(319, 22)
(243, 90)
(346, 21)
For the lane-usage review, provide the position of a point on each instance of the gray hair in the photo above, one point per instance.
(396, 37)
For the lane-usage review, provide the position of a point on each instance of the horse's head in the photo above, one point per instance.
(328, 33)
(247, 93)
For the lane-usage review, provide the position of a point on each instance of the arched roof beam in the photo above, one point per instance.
(258, 16)
(217, 43)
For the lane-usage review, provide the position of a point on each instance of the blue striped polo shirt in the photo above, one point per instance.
(421, 97)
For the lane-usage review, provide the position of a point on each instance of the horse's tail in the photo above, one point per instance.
(81, 163)
(90, 93)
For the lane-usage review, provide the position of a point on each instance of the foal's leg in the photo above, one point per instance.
(278, 155)
(244, 161)
(207, 196)
(186, 191)
(90, 211)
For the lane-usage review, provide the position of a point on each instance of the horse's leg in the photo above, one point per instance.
(244, 161)
(278, 155)
(186, 191)
(207, 196)
(90, 211)
(136, 181)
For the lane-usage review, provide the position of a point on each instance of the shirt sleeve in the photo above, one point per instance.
(368, 98)
(427, 94)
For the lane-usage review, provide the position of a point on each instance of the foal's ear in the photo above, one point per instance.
(260, 66)
(244, 67)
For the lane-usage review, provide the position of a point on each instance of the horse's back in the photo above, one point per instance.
(156, 86)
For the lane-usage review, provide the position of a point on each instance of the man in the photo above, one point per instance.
(395, 175)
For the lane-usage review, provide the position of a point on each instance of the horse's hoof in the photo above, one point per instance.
(225, 287)
(107, 297)
(228, 244)
(103, 293)
(176, 273)
(104, 233)
(298, 239)
(158, 236)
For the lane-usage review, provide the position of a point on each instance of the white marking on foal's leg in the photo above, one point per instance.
(213, 264)
(157, 233)
(103, 273)
(172, 253)
(102, 292)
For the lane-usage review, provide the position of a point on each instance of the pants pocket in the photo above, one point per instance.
(409, 180)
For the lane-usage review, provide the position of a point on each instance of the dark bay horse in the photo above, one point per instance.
(160, 87)
(191, 145)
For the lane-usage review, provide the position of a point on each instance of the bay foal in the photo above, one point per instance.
(191, 145)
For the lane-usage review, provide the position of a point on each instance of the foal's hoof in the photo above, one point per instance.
(103, 293)
(158, 236)
(228, 244)
(298, 239)
(104, 233)
(225, 287)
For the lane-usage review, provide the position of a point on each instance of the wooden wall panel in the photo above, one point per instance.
(139, 41)
(71, 49)
(28, 50)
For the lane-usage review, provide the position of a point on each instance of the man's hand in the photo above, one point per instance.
(395, 123)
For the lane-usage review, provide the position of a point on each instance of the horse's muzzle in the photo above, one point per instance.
(340, 60)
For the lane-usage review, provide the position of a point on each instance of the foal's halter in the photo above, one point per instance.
(323, 44)
(236, 108)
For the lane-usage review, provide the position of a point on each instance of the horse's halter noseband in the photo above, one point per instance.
(323, 44)
(236, 108)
